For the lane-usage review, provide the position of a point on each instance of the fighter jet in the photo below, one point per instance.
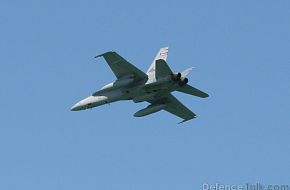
(154, 86)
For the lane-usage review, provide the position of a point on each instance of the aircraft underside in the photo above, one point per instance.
(154, 87)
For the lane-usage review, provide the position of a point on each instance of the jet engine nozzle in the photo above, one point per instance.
(176, 76)
(183, 81)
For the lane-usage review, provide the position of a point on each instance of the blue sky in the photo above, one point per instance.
(241, 53)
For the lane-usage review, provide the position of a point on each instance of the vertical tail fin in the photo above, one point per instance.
(162, 54)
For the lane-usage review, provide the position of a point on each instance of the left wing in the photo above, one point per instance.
(174, 106)
(121, 67)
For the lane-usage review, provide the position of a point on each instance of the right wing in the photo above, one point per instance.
(174, 106)
(121, 67)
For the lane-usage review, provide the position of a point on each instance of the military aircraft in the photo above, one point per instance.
(154, 87)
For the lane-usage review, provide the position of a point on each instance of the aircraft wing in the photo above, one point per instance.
(121, 67)
(174, 106)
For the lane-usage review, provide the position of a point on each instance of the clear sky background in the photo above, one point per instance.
(241, 51)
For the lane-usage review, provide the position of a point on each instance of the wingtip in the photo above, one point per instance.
(205, 95)
(98, 55)
(186, 120)
(101, 55)
(183, 121)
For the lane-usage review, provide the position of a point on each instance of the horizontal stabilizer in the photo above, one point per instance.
(192, 91)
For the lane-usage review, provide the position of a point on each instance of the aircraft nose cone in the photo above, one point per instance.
(75, 107)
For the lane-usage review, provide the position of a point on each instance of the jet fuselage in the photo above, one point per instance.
(154, 86)
(128, 89)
